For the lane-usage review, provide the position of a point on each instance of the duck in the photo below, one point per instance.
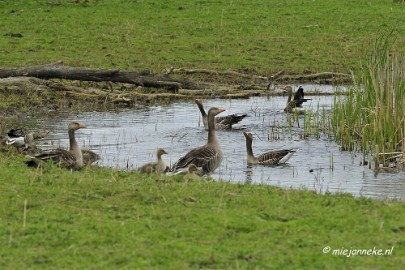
(72, 158)
(227, 122)
(297, 101)
(19, 137)
(268, 158)
(155, 167)
(208, 157)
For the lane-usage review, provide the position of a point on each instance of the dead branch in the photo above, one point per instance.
(59, 71)
(274, 77)
(215, 72)
(315, 76)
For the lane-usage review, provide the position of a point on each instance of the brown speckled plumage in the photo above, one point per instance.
(207, 157)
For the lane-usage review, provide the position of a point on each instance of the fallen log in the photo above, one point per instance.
(279, 76)
(321, 75)
(274, 77)
(59, 71)
(215, 72)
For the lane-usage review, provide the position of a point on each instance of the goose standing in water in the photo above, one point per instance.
(207, 157)
(221, 122)
(19, 137)
(297, 101)
(72, 159)
(155, 167)
(268, 158)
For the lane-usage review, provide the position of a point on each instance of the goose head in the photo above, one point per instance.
(161, 152)
(192, 168)
(75, 126)
(248, 136)
(214, 111)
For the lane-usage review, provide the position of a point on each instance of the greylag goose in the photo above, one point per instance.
(72, 159)
(19, 137)
(207, 157)
(298, 98)
(221, 122)
(89, 157)
(268, 158)
(155, 167)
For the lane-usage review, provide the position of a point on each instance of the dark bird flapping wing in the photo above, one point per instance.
(229, 120)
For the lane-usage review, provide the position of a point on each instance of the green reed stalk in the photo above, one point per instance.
(371, 116)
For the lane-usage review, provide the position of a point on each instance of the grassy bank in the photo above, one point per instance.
(101, 218)
(259, 37)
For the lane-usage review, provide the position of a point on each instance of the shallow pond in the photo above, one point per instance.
(128, 138)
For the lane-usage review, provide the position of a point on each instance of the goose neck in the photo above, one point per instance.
(249, 148)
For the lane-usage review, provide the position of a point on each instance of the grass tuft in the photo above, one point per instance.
(371, 117)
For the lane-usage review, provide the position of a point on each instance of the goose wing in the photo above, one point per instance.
(299, 97)
(60, 156)
(298, 102)
(229, 120)
(275, 157)
(206, 157)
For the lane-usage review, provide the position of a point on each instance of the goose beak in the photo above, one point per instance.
(82, 126)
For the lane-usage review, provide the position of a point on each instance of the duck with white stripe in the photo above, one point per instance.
(19, 137)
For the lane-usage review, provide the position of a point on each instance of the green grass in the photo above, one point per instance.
(101, 218)
(259, 37)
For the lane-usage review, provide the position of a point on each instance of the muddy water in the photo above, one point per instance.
(128, 138)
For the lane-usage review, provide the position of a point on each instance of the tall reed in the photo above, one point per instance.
(371, 117)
